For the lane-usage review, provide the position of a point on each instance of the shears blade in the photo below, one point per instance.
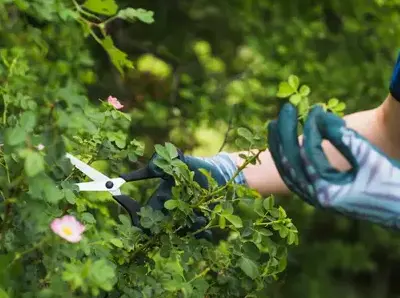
(86, 169)
(111, 185)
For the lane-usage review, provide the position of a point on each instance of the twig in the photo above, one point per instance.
(228, 130)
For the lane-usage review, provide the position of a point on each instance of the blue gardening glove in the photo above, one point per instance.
(394, 87)
(221, 167)
(370, 190)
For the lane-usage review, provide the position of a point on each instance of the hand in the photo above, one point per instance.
(370, 190)
(220, 167)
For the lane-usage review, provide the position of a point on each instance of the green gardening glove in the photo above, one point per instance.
(370, 190)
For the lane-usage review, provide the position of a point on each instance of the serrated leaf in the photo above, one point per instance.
(131, 14)
(294, 82)
(171, 149)
(235, 220)
(118, 57)
(268, 203)
(291, 238)
(88, 217)
(283, 231)
(104, 7)
(284, 90)
(162, 152)
(245, 133)
(340, 107)
(34, 163)
(304, 90)
(249, 267)
(282, 213)
(117, 242)
(15, 136)
(333, 102)
(171, 204)
(28, 121)
(295, 99)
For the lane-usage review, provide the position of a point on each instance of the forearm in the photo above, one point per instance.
(372, 124)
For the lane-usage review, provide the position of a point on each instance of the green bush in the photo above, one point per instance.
(56, 242)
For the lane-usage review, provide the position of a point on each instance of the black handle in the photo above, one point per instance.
(151, 170)
(131, 206)
(141, 174)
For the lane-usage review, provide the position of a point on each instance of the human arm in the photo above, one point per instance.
(380, 126)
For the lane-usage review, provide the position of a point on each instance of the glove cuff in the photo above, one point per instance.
(221, 166)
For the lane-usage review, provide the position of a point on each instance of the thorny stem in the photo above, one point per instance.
(264, 224)
(244, 165)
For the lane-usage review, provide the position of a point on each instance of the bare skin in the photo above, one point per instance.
(380, 126)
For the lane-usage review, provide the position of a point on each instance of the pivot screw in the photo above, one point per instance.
(109, 184)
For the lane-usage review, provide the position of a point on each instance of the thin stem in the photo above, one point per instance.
(81, 10)
(19, 255)
(201, 274)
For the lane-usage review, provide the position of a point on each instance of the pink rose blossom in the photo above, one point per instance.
(68, 227)
(114, 102)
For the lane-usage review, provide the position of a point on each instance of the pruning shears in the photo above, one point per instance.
(102, 182)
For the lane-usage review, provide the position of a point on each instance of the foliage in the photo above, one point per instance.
(201, 70)
(41, 122)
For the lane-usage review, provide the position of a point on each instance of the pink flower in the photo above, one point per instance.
(68, 227)
(114, 102)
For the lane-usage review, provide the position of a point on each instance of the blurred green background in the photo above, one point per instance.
(206, 67)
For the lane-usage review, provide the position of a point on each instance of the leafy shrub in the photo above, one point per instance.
(45, 113)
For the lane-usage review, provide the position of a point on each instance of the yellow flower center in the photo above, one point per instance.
(67, 231)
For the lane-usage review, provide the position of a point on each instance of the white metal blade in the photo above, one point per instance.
(86, 169)
(101, 186)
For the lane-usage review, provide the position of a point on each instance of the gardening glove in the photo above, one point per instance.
(369, 191)
(394, 86)
(221, 168)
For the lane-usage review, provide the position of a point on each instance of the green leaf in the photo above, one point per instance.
(171, 149)
(234, 219)
(249, 267)
(304, 90)
(333, 102)
(294, 82)
(131, 14)
(162, 151)
(118, 58)
(171, 204)
(211, 181)
(222, 222)
(295, 99)
(282, 213)
(245, 133)
(285, 90)
(251, 250)
(283, 231)
(15, 136)
(88, 217)
(268, 203)
(340, 107)
(3, 294)
(34, 163)
(104, 7)
(291, 238)
(28, 121)
(117, 242)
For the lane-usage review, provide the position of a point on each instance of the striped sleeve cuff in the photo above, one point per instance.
(227, 167)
